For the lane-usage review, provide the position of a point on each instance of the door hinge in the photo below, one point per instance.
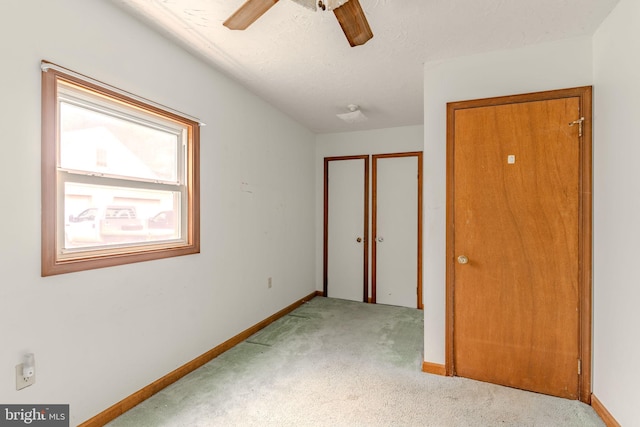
(579, 367)
(579, 123)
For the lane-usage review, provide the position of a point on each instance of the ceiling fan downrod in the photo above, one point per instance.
(330, 4)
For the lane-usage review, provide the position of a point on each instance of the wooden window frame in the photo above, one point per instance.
(52, 261)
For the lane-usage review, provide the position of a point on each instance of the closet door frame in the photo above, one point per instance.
(374, 220)
(365, 243)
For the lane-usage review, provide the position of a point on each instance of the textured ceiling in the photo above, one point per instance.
(299, 60)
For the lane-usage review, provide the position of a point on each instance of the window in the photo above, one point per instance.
(119, 176)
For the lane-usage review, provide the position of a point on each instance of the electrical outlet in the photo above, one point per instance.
(269, 283)
(21, 381)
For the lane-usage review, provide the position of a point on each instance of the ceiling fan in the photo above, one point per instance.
(348, 12)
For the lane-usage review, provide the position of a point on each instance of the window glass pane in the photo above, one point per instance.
(98, 142)
(103, 216)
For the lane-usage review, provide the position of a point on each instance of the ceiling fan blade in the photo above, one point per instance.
(353, 22)
(248, 13)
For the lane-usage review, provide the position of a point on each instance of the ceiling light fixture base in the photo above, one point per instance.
(353, 116)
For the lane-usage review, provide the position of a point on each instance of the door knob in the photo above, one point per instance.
(463, 259)
(380, 239)
(359, 239)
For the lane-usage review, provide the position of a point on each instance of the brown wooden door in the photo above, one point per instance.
(516, 206)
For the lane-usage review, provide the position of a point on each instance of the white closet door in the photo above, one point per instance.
(346, 230)
(396, 227)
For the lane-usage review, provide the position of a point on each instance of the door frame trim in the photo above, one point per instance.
(374, 220)
(365, 246)
(585, 236)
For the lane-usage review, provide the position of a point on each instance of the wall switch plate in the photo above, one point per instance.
(21, 381)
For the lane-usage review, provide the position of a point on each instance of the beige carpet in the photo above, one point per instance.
(341, 363)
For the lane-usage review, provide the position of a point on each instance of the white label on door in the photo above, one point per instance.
(511, 159)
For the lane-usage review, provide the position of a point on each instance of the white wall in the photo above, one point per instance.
(381, 141)
(535, 68)
(101, 335)
(616, 205)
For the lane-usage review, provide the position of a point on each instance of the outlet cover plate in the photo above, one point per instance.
(21, 382)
